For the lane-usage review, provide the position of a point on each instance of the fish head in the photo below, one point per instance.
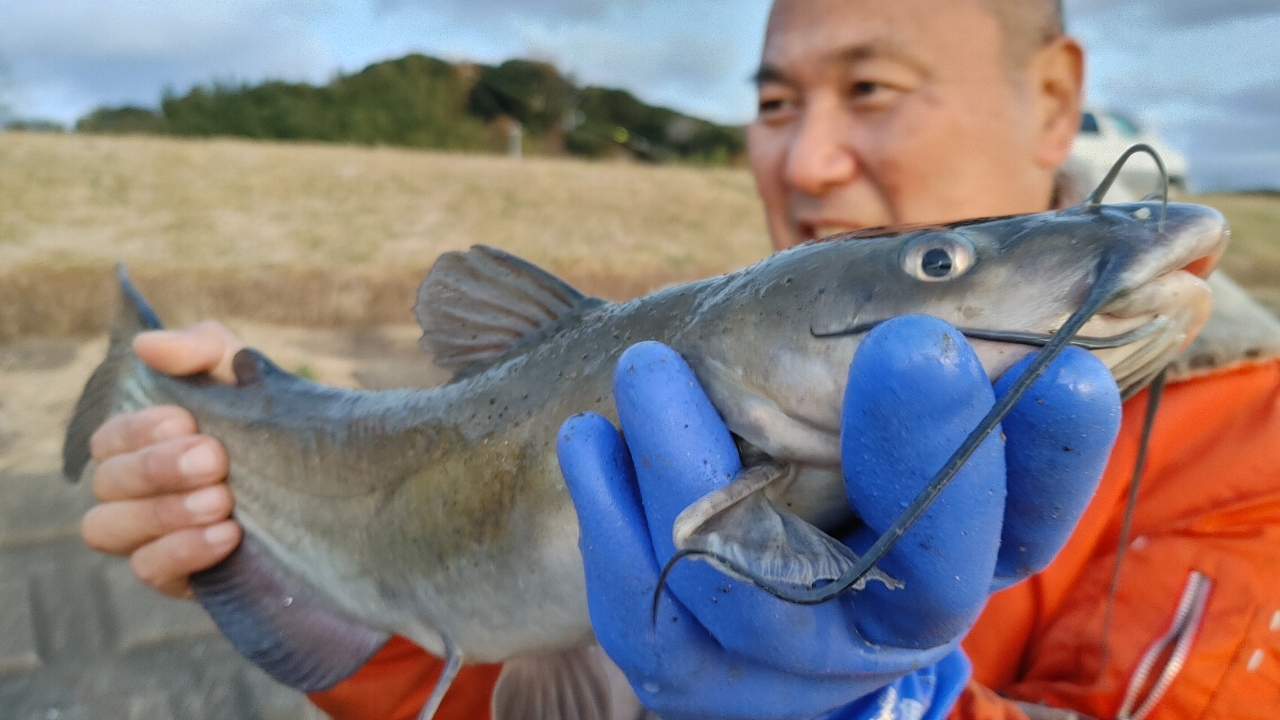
(779, 380)
(1023, 276)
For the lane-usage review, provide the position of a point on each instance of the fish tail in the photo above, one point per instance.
(133, 316)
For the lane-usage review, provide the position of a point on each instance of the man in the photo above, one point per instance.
(872, 112)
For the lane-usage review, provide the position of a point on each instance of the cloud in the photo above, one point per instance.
(141, 29)
(1237, 144)
(1177, 12)
(1260, 100)
(695, 55)
(539, 10)
(70, 55)
(1202, 74)
(699, 73)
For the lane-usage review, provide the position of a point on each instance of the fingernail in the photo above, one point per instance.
(169, 429)
(199, 460)
(221, 534)
(205, 501)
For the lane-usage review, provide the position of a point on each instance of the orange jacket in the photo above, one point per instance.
(1210, 503)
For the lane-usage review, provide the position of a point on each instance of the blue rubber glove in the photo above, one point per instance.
(723, 648)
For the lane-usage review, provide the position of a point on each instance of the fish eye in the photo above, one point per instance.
(936, 258)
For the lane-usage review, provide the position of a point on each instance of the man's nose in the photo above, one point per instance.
(820, 156)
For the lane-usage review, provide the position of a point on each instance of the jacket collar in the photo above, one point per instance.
(1239, 332)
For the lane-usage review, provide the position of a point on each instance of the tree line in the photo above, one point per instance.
(421, 101)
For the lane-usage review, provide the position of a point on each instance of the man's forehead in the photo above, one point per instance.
(841, 31)
(773, 66)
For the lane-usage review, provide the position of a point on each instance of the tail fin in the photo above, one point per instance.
(132, 317)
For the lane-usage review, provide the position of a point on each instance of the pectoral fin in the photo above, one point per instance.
(280, 623)
(578, 684)
(743, 534)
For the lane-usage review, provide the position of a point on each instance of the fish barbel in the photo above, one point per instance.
(441, 514)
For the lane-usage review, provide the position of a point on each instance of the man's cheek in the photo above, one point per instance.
(767, 150)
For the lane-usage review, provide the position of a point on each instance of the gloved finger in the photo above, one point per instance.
(681, 447)
(617, 553)
(1058, 440)
(682, 451)
(676, 668)
(916, 390)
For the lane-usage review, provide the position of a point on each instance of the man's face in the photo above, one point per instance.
(879, 112)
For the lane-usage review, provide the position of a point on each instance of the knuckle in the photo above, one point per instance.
(145, 569)
(137, 428)
(110, 477)
(157, 466)
(161, 564)
(108, 440)
(178, 588)
(169, 514)
(191, 551)
(208, 327)
(91, 529)
(214, 335)
(161, 423)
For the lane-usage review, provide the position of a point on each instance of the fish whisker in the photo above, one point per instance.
(1019, 337)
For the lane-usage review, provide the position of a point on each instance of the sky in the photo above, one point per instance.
(1205, 74)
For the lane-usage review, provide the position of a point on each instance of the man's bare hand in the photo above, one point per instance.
(164, 500)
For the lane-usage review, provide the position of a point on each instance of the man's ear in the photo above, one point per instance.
(1056, 82)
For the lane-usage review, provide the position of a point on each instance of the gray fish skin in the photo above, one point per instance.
(441, 514)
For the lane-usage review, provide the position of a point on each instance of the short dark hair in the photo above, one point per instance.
(1025, 27)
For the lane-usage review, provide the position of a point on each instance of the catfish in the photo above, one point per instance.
(441, 515)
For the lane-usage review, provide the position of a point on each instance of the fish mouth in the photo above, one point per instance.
(1164, 303)
(1161, 304)
(1159, 319)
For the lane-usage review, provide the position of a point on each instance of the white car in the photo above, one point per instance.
(1105, 134)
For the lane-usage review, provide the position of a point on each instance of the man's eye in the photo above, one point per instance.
(775, 108)
(865, 88)
(869, 95)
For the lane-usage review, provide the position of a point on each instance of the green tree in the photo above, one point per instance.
(533, 93)
(123, 120)
(420, 101)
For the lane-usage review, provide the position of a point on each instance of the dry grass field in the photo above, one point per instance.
(1254, 256)
(331, 235)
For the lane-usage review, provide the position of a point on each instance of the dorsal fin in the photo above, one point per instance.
(477, 305)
